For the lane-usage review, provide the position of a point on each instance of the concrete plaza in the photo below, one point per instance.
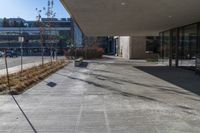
(108, 96)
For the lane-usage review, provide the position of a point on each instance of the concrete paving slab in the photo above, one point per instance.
(104, 98)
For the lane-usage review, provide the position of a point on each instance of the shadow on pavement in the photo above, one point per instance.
(183, 78)
(121, 81)
(83, 65)
(110, 88)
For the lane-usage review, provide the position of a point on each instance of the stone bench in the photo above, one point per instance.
(77, 62)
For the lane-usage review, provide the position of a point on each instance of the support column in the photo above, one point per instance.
(197, 44)
(177, 48)
(198, 39)
(170, 47)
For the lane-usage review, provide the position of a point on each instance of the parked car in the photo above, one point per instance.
(11, 54)
(1, 54)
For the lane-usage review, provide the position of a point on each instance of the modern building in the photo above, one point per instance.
(16, 22)
(54, 38)
(105, 42)
(180, 46)
(133, 20)
(1, 22)
(108, 44)
(78, 35)
(128, 48)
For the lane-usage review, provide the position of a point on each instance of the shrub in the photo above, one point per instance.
(86, 53)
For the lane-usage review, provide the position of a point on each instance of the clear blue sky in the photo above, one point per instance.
(26, 8)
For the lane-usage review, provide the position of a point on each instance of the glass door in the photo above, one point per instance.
(174, 49)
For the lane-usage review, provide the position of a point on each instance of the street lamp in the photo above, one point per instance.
(21, 40)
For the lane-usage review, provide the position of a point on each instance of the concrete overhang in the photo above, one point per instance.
(131, 17)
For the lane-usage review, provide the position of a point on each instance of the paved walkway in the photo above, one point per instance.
(102, 97)
(15, 69)
(12, 62)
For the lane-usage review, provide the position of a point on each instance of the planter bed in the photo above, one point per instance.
(21, 81)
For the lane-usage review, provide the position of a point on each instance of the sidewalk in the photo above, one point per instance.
(18, 68)
(106, 97)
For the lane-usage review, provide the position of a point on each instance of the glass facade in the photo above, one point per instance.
(59, 36)
(180, 46)
(174, 46)
(32, 40)
(152, 44)
(165, 46)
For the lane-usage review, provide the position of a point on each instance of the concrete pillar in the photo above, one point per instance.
(170, 47)
(124, 46)
(138, 47)
(177, 47)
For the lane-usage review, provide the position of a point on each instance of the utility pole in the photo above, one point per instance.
(21, 40)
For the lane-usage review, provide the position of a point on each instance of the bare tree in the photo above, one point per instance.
(42, 32)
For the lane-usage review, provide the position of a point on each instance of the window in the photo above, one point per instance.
(188, 41)
(152, 44)
(166, 44)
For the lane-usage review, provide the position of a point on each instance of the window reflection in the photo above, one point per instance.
(189, 45)
(185, 45)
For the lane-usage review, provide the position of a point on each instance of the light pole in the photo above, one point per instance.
(21, 40)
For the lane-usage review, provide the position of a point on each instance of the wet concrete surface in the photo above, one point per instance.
(103, 97)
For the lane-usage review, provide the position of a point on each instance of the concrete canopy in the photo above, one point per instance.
(131, 17)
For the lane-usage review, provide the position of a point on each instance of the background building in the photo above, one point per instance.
(78, 35)
(128, 48)
(1, 22)
(62, 34)
(105, 42)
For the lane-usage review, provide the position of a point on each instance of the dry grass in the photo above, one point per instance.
(21, 81)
